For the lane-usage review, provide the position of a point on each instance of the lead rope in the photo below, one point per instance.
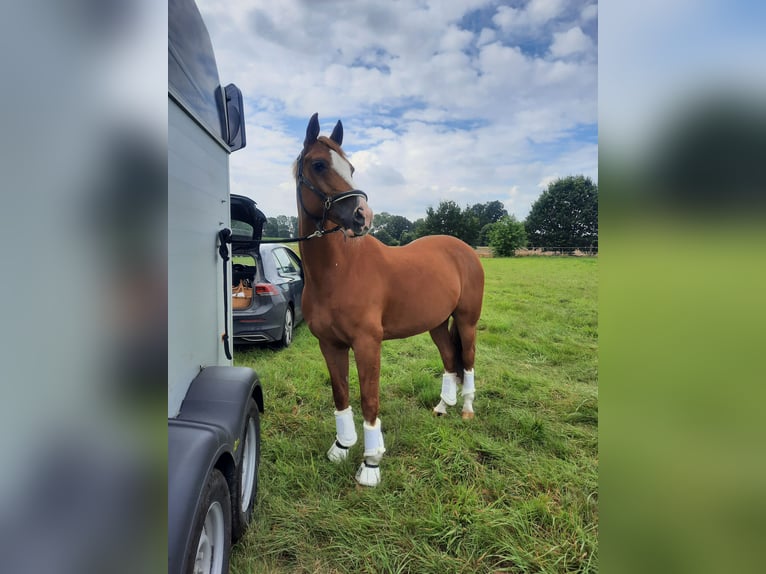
(317, 233)
(223, 250)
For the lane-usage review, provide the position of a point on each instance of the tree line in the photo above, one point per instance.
(564, 217)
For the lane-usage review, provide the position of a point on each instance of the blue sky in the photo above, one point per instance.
(464, 100)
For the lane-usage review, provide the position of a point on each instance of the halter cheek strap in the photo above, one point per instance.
(328, 201)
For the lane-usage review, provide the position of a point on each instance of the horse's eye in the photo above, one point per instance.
(318, 166)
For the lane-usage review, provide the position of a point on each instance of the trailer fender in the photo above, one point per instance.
(194, 450)
(220, 395)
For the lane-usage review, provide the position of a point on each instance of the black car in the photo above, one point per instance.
(267, 281)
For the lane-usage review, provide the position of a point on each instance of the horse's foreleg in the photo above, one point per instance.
(367, 354)
(336, 358)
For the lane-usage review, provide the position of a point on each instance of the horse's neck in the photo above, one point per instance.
(324, 257)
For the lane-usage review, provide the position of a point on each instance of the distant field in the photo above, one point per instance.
(514, 490)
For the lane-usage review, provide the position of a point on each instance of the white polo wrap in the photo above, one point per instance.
(468, 394)
(373, 442)
(449, 388)
(344, 425)
(468, 386)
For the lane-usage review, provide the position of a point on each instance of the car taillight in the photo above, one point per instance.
(265, 289)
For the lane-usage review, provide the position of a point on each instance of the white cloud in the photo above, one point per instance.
(455, 39)
(544, 10)
(573, 41)
(546, 181)
(589, 12)
(507, 17)
(487, 36)
(431, 111)
(535, 14)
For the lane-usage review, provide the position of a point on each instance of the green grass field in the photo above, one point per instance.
(514, 490)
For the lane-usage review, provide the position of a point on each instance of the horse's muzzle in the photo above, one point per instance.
(362, 219)
(353, 215)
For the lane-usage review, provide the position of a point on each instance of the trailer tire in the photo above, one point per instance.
(211, 540)
(246, 484)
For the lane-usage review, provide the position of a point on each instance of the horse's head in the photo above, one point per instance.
(325, 188)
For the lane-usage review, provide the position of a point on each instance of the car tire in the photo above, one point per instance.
(246, 485)
(211, 537)
(287, 332)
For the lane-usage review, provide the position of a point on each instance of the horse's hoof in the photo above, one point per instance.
(337, 454)
(467, 416)
(440, 409)
(368, 475)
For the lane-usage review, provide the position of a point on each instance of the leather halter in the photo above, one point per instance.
(328, 201)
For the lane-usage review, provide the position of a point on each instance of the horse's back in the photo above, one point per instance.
(446, 247)
(433, 277)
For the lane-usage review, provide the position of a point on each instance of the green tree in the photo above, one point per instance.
(398, 225)
(446, 219)
(390, 228)
(284, 226)
(407, 237)
(484, 234)
(449, 219)
(270, 228)
(471, 227)
(385, 237)
(489, 212)
(506, 236)
(565, 215)
(419, 227)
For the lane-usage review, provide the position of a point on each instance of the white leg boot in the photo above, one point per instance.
(345, 436)
(369, 471)
(448, 394)
(468, 394)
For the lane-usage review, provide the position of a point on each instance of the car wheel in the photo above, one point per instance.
(211, 541)
(247, 478)
(287, 333)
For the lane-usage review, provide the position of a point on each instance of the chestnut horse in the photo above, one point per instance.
(359, 292)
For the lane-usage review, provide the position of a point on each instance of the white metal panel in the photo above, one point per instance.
(198, 207)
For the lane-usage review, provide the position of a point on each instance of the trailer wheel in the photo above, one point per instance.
(246, 484)
(211, 543)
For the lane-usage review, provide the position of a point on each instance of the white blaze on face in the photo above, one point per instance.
(342, 167)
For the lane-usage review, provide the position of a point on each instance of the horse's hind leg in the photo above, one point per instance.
(443, 340)
(467, 333)
(336, 358)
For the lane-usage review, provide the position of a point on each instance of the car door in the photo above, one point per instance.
(290, 271)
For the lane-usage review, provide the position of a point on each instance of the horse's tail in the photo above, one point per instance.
(457, 343)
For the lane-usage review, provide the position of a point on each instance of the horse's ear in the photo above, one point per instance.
(337, 133)
(312, 131)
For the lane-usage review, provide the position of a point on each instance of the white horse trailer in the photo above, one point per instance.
(213, 407)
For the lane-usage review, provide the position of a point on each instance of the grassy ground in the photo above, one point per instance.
(514, 490)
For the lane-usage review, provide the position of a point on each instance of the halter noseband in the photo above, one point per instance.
(328, 201)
